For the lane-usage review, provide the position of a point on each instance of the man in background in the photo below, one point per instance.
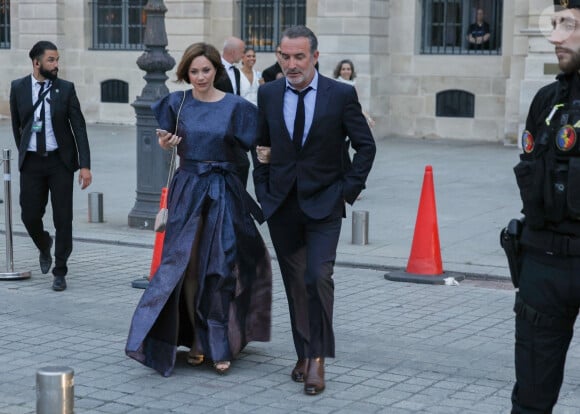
(232, 52)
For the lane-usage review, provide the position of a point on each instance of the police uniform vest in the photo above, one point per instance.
(548, 174)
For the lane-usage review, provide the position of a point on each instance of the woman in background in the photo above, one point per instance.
(250, 79)
(344, 72)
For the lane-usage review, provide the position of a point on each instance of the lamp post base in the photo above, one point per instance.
(14, 275)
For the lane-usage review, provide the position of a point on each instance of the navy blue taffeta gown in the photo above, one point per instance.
(209, 210)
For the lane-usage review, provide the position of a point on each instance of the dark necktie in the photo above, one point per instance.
(41, 135)
(298, 133)
(236, 87)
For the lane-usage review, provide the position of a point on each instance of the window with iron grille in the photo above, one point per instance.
(263, 21)
(4, 24)
(115, 90)
(452, 27)
(455, 103)
(118, 24)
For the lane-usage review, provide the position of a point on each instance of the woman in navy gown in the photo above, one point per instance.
(213, 289)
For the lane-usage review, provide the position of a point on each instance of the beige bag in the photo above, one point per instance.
(161, 220)
(162, 215)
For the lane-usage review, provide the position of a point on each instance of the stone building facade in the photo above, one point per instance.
(397, 83)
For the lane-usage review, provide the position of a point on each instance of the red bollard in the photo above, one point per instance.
(159, 238)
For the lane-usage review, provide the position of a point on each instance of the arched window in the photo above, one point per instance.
(115, 90)
(455, 103)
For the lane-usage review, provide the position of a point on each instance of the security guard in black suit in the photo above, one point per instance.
(547, 266)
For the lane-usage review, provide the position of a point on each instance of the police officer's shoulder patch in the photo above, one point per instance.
(566, 138)
(528, 142)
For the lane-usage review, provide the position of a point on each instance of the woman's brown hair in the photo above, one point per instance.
(196, 50)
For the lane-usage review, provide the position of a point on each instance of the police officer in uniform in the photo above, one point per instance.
(548, 263)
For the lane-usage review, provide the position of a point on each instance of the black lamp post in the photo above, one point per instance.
(152, 161)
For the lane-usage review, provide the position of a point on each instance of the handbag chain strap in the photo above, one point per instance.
(174, 149)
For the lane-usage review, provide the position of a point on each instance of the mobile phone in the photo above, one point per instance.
(161, 131)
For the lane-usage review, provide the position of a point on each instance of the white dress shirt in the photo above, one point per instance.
(230, 71)
(291, 102)
(51, 144)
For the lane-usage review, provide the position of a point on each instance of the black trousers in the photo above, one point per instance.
(306, 252)
(551, 286)
(39, 177)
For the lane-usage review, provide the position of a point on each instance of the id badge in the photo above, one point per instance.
(37, 125)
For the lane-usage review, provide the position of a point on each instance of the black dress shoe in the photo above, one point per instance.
(45, 259)
(314, 383)
(299, 372)
(59, 284)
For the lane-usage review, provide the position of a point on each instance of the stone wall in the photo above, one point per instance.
(396, 84)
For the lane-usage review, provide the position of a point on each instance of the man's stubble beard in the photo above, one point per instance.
(572, 65)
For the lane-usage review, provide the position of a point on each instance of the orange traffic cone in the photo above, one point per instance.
(157, 249)
(424, 265)
(159, 238)
(425, 258)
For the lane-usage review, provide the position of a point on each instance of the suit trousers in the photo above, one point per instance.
(551, 286)
(306, 252)
(40, 176)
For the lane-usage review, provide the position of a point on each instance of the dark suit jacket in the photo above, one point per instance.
(224, 84)
(269, 74)
(68, 121)
(324, 180)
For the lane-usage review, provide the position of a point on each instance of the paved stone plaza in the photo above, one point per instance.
(401, 347)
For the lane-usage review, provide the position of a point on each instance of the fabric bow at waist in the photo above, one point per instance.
(203, 168)
(206, 167)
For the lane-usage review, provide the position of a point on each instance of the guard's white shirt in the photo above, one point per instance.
(51, 144)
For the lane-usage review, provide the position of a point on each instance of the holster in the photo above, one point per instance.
(509, 239)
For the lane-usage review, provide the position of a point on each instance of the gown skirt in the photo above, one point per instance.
(208, 209)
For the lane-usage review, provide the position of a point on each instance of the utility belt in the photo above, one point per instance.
(550, 242)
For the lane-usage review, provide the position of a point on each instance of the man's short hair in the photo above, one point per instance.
(294, 32)
(39, 48)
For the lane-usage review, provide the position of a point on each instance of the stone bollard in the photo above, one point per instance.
(95, 207)
(360, 227)
(55, 390)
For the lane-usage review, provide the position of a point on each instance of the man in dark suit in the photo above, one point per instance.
(271, 73)
(51, 137)
(305, 118)
(230, 82)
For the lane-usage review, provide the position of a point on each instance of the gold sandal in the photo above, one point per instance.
(195, 360)
(221, 367)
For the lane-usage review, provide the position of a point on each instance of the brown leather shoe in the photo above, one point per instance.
(314, 383)
(299, 372)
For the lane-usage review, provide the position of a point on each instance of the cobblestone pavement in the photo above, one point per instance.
(401, 348)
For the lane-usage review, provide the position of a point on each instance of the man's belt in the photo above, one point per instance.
(550, 242)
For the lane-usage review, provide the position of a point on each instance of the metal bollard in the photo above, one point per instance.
(360, 227)
(10, 274)
(95, 207)
(55, 390)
